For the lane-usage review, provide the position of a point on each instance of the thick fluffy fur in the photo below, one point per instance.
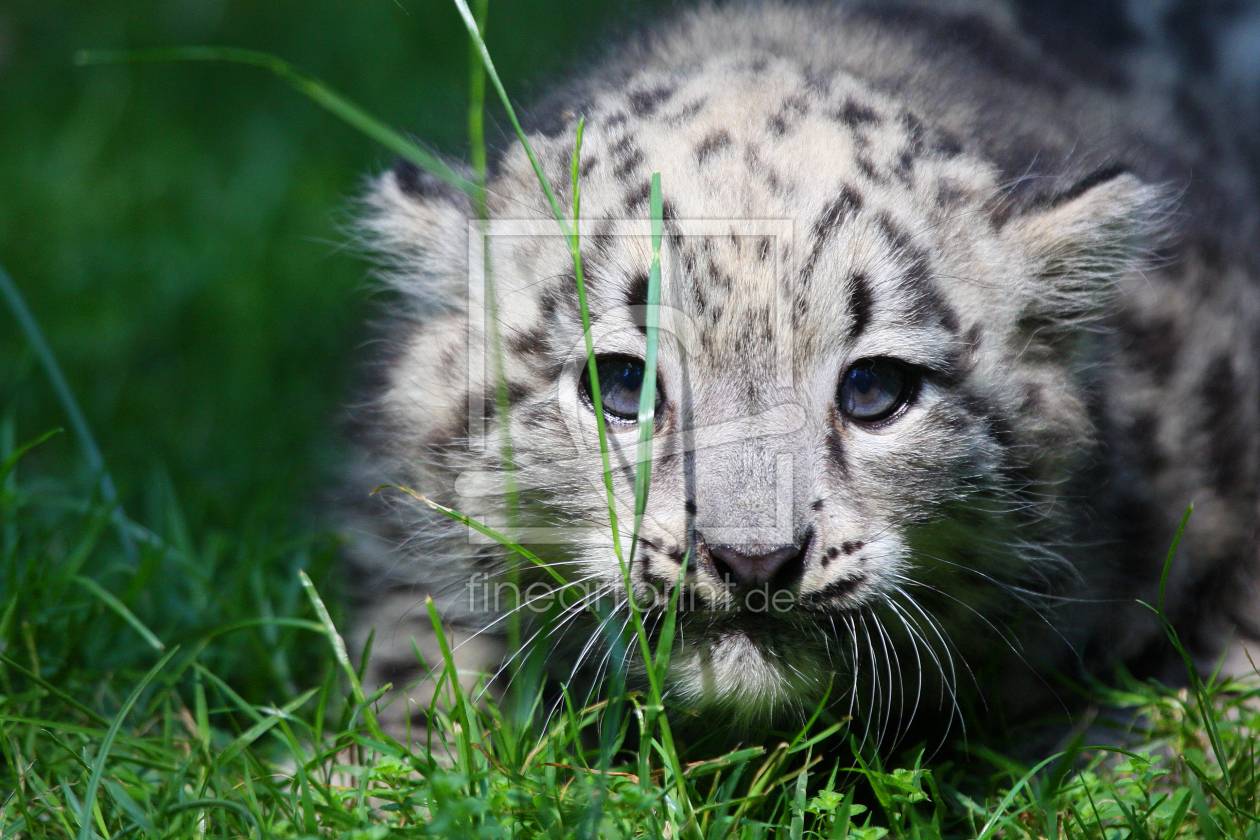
(1059, 249)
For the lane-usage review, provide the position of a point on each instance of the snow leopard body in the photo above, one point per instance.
(1040, 252)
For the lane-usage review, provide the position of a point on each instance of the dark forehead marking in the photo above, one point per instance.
(561, 293)
(532, 342)
(837, 211)
(643, 103)
(636, 299)
(896, 235)
(637, 289)
(713, 143)
(928, 304)
(860, 304)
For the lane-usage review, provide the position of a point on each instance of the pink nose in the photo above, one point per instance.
(751, 566)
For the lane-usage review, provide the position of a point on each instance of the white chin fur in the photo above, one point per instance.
(753, 682)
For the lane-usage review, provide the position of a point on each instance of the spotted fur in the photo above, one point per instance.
(1065, 263)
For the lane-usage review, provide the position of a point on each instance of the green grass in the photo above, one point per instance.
(174, 229)
(119, 718)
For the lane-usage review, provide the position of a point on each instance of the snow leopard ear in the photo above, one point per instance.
(1081, 240)
(417, 225)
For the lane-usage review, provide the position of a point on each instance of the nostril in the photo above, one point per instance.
(752, 566)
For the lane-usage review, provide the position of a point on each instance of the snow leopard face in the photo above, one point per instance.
(878, 381)
(870, 390)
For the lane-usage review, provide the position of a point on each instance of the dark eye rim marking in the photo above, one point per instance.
(912, 380)
(611, 414)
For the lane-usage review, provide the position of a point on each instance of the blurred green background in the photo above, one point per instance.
(179, 229)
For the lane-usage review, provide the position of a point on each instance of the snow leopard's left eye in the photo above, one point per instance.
(620, 381)
(875, 389)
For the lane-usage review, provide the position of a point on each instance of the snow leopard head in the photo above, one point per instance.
(875, 373)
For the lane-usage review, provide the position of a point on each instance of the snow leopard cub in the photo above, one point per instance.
(955, 324)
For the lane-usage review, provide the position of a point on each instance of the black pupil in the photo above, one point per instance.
(620, 381)
(873, 389)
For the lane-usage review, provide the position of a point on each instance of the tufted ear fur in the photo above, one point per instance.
(1082, 240)
(417, 225)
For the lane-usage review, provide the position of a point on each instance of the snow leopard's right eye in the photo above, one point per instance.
(620, 381)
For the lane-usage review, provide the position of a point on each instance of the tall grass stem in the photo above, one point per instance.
(91, 452)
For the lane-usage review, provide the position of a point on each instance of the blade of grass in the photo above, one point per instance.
(119, 607)
(318, 92)
(102, 752)
(16, 455)
(339, 651)
(91, 452)
(571, 234)
(647, 395)
(480, 528)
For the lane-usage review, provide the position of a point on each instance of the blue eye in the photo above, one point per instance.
(620, 381)
(874, 389)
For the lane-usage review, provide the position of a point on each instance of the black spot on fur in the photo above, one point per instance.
(837, 211)
(687, 112)
(855, 115)
(896, 235)
(1227, 438)
(636, 291)
(517, 392)
(928, 304)
(422, 185)
(860, 304)
(833, 552)
(690, 507)
(711, 145)
(836, 454)
(817, 504)
(867, 167)
(776, 125)
(643, 103)
(530, 343)
(641, 195)
(1153, 346)
(949, 194)
(837, 589)
(946, 145)
(628, 164)
(1096, 178)
(850, 546)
